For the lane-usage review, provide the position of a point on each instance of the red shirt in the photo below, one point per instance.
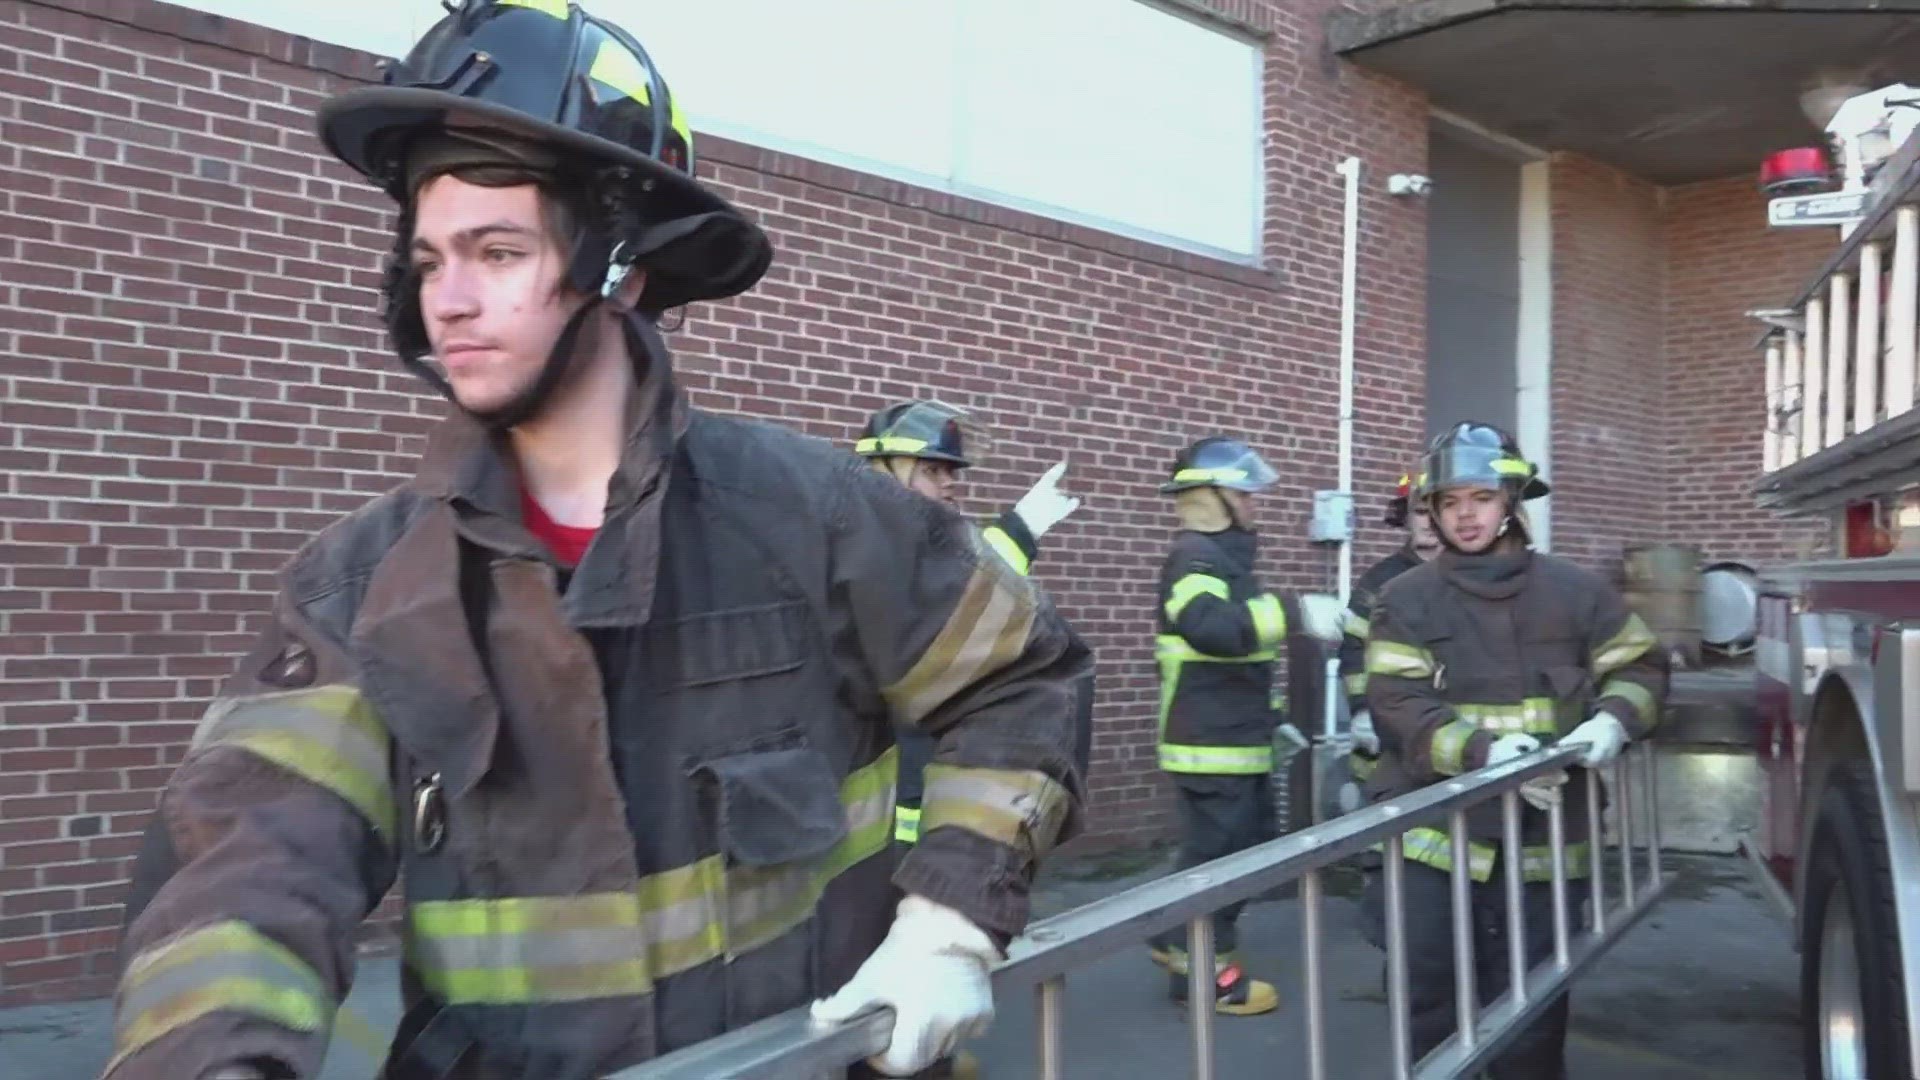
(567, 542)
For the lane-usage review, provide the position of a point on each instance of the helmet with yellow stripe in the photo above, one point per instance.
(1476, 455)
(544, 85)
(927, 430)
(1222, 462)
(1397, 506)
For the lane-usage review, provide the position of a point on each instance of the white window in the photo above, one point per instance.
(1111, 113)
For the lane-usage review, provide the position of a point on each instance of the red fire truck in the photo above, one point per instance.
(1837, 650)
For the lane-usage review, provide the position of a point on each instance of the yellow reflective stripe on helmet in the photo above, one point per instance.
(326, 735)
(1356, 683)
(225, 967)
(1174, 649)
(529, 949)
(1432, 847)
(1204, 476)
(1511, 466)
(1217, 760)
(1449, 751)
(555, 8)
(1639, 696)
(1190, 588)
(1400, 661)
(1003, 546)
(1533, 716)
(906, 824)
(987, 630)
(1020, 808)
(615, 65)
(890, 444)
(1269, 619)
(1623, 648)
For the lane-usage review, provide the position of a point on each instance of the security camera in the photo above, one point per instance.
(1409, 184)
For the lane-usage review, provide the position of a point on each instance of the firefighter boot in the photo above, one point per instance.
(1235, 993)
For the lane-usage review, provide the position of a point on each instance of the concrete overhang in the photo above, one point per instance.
(1667, 90)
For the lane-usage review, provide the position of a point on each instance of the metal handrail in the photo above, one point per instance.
(791, 1045)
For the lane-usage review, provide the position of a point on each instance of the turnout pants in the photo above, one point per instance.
(1219, 815)
(1539, 1052)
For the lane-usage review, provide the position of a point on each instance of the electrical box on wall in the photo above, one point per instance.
(1332, 517)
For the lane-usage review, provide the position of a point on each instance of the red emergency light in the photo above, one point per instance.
(1800, 171)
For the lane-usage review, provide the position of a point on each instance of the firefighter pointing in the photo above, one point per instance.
(1480, 655)
(1220, 631)
(611, 684)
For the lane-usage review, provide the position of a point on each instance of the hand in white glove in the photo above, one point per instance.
(1043, 506)
(1364, 737)
(1325, 616)
(1544, 792)
(1508, 747)
(932, 971)
(1604, 735)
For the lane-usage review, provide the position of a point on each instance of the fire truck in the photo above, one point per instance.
(1837, 647)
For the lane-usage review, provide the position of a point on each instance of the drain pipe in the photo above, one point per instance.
(1342, 496)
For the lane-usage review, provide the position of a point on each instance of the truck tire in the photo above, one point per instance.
(1852, 990)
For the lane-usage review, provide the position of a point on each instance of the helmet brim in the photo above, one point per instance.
(362, 125)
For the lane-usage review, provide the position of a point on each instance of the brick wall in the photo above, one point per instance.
(1609, 283)
(1724, 261)
(193, 386)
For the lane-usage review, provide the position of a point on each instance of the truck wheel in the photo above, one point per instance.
(1852, 995)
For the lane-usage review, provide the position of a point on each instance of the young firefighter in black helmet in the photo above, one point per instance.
(1422, 543)
(1482, 654)
(1219, 633)
(923, 445)
(611, 684)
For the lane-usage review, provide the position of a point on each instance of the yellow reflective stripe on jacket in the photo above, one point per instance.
(326, 735)
(1432, 847)
(1269, 619)
(1003, 546)
(1640, 696)
(529, 948)
(987, 631)
(1173, 650)
(1361, 767)
(1623, 648)
(1217, 760)
(1188, 589)
(1356, 624)
(906, 824)
(1356, 683)
(523, 950)
(1449, 748)
(225, 967)
(1533, 716)
(1401, 661)
(1020, 808)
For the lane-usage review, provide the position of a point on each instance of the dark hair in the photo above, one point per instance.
(564, 206)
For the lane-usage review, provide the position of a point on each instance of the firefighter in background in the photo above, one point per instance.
(1483, 654)
(1219, 633)
(1422, 544)
(923, 444)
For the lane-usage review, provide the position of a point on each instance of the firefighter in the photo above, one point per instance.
(923, 445)
(1219, 633)
(591, 878)
(1482, 654)
(1422, 543)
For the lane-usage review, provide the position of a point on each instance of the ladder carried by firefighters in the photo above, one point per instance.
(790, 1045)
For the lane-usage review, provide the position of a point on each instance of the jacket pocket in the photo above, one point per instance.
(729, 682)
(776, 806)
(1572, 689)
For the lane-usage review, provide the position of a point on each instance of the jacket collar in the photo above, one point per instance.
(473, 472)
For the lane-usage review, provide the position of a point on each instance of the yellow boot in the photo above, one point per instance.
(1235, 993)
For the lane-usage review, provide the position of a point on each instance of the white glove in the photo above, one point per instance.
(1508, 747)
(1325, 616)
(932, 971)
(1604, 735)
(1364, 737)
(1543, 792)
(1043, 506)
